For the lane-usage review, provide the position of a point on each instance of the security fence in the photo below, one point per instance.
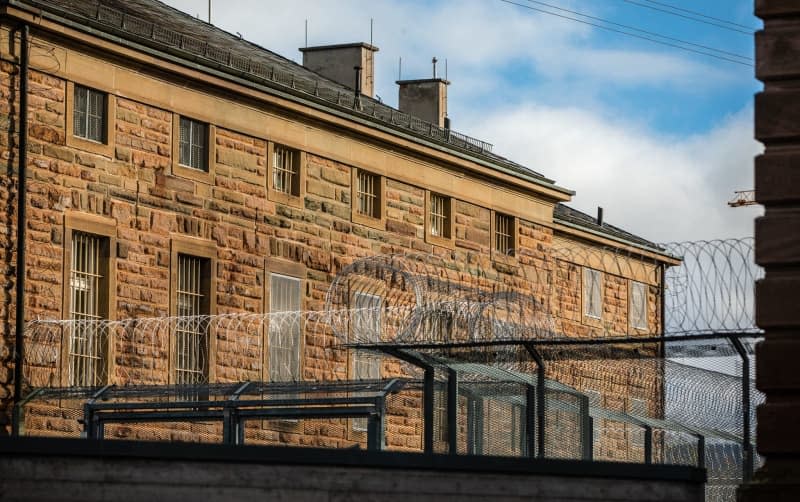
(423, 353)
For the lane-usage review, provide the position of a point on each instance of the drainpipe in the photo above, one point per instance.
(19, 348)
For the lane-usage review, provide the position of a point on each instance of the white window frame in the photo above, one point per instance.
(638, 313)
(366, 365)
(285, 331)
(87, 345)
(193, 144)
(592, 293)
(83, 116)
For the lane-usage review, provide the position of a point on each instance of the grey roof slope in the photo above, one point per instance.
(567, 214)
(156, 24)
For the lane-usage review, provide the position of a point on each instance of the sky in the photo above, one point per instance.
(658, 136)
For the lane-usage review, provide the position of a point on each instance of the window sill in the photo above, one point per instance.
(445, 242)
(368, 221)
(87, 145)
(193, 174)
(286, 199)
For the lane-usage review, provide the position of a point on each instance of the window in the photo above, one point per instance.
(88, 304)
(368, 195)
(286, 170)
(89, 114)
(439, 229)
(284, 329)
(193, 144)
(90, 119)
(638, 305)
(367, 329)
(191, 330)
(592, 293)
(286, 175)
(440, 403)
(505, 234)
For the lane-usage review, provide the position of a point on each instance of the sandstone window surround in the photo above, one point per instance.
(90, 119)
(193, 287)
(89, 296)
(592, 296)
(368, 199)
(286, 175)
(367, 322)
(637, 308)
(193, 149)
(439, 220)
(505, 236)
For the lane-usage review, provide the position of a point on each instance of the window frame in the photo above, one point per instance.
(106, 229)
(378, 219)
(199, 248)
(645, 310)
(584, 294)
(498, 255)
(275, 195)
(292, 270)
(105, 147)
(372, 360)
(187, 171)
(447, 240)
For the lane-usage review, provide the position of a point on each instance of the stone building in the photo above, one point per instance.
(174, 169)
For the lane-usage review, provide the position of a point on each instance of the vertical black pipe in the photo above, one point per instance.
(452, 411)
(586, 427)
(427, 410)
(19, 343)
(648, 444)
(747, 448)
(530, 418)
(540, 399)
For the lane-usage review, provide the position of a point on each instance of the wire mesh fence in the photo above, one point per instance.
(511, 364)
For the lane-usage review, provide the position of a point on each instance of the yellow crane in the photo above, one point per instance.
(743, 198)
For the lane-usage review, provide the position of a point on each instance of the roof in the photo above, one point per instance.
(156, 25)
(570, 215)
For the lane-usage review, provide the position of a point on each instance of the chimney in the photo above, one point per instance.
(426, 99)
(338, 63)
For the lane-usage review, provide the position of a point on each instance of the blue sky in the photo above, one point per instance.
(658, 136)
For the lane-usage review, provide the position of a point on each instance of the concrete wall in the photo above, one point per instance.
(42, 470)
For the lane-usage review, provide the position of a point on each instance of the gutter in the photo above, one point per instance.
(239, 77)
(626, 242)
(19, 335)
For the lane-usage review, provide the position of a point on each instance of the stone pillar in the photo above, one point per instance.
(777, 177)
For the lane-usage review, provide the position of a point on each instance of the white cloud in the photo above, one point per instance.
(658, 187)
(662, 187)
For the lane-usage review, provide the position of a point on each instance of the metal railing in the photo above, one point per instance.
(261, 70)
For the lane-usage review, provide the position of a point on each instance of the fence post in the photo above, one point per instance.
(586, 427)
(530, 418)
(747, 447)
(452, 411)
(540, 399)
(427, 409)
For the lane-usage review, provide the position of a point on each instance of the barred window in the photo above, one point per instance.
(286, 170)
(88, 289)
(368, 193)
(191, 331)
(366, 328)
(193, 144)
(440, 414)
(89, 114)
(440, 216)
(504, 234)
(592, 293)
(638, 305)
(284, 330)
